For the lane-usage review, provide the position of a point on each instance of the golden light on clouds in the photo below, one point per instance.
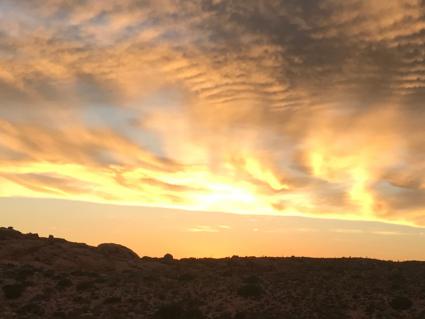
(249, 107)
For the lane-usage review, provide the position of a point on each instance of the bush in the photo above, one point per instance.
(168, 258)
(24, 273)
(13, 291)
(64, 283)
(193, 313)
(255, 315)
(254, 280)
(85, 285)
(250, 291)
(112, 300)
(240, 315)
(32, 309)
(177, 311)
(173, 311)
(186, 277)
(401, 303)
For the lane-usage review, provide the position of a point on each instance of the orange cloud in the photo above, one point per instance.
(299, 108)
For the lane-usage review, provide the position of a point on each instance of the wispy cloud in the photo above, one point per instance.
(203, 229)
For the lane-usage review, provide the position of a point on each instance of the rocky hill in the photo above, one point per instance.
(54, 278)
(58, 253)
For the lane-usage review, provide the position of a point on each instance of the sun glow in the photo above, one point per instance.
(359, 192)
(244, 183)
(218, 197)
(194, 187)
(239, 179)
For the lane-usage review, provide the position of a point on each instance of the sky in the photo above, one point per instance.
(205, 108)
(212, 234)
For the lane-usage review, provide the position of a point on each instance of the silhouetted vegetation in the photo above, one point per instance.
(401, 303)
(250, 290)
(178, 311)
(13, 291)
(64, 283)
(85, 285)
(186, 277)
(80, 283)
(112, 300)
(168, 258)
(32, 309)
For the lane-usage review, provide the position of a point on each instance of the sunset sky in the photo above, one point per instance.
(216, 126)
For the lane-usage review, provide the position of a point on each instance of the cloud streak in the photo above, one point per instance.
(309, 108)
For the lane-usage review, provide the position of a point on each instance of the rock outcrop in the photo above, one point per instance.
(59, 253)
(116, 251)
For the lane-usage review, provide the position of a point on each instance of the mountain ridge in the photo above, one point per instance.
(53, 278)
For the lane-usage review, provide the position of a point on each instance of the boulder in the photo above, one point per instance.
(116, 251)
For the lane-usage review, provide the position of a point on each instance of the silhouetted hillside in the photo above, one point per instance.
(54, 278)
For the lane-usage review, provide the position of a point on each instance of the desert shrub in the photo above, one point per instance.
(81, 312)
(178, 311)
(79, 299)
(112, 300)
(32, 309)
(224, 315)
(370, 309)
(151, 278)
(49, 273)
(234, 261)
(13, 291)
(250, 291)
(186, 277)
(227, 273)
(397, 280)
(401, 303)
(172, 311)
(101, 280)
(64, 284)
(168, 258)
(59, 314)
(240, 315)
(330, 311)
(254, 280)
(24, 273)
(80, 273)
(254, 315)
(193, 313)
(85, 285)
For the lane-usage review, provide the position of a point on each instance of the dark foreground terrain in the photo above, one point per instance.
(53, 278)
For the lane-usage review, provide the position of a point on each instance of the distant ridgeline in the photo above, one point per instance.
(53, 278)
